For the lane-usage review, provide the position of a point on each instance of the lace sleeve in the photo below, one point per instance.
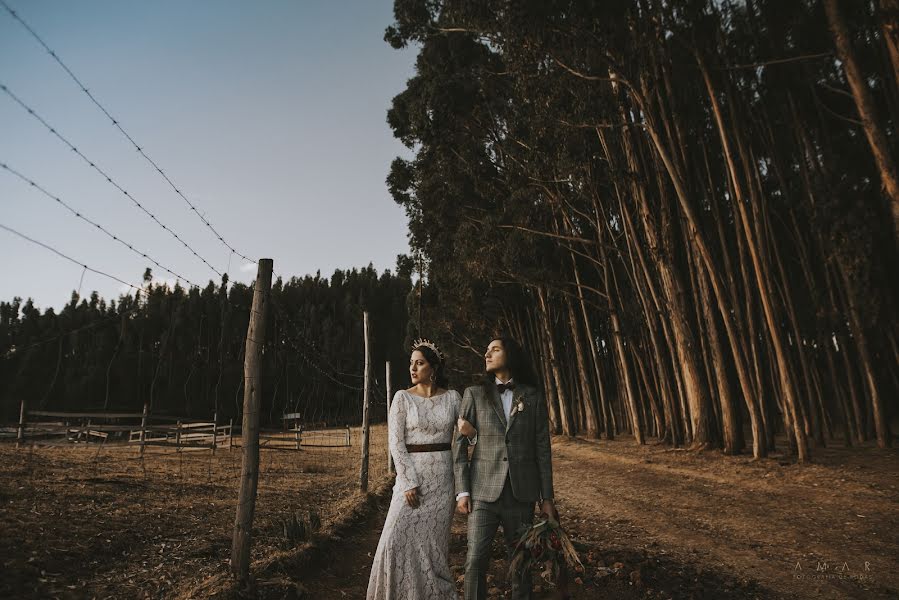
(406, 477)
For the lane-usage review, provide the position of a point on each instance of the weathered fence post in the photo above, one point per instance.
(230, 434)
(390, 467)
(249, 473)
(363, 475)
(178, 436)
(20, 434)
(215, 430)
(143, 428)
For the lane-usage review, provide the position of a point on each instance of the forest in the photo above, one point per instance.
(687, 209)
(180, 351)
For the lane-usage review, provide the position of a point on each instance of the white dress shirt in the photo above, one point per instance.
(506, 397)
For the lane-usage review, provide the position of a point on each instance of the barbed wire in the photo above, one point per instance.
(309, 361)
(105, 175)
(79, 215)
(285, 317)
(118, 126)
(68, 258)
(311, 347)
(377, 390)
(134, 310)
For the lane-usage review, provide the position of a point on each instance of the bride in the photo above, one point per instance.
(412, 561)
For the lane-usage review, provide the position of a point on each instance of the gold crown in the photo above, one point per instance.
(429, 344)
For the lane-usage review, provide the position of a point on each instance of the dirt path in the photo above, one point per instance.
(769, 521)
(661, 523)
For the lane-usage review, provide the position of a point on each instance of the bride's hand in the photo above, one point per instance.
(466, 428)
(412, 497)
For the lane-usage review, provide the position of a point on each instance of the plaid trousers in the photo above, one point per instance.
(483, 522)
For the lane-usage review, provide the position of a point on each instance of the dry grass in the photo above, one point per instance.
(100, 521)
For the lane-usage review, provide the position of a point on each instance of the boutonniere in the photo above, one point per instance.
(519, 405)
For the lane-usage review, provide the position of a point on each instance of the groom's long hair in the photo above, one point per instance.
(518, 361)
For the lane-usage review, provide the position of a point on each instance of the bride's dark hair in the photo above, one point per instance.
(436, 364)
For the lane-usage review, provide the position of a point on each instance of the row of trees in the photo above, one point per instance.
(180, 351)
(687, 208)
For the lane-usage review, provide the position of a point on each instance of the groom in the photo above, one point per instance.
(510, 468)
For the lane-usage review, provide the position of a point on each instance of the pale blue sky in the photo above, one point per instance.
(269, 116)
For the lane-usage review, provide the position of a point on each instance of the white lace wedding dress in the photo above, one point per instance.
(412, 561)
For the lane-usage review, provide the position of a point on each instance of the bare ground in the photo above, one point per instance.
(655, 522)
(650, 522)
(100, 522)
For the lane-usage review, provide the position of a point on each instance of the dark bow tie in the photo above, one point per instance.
(502, 387)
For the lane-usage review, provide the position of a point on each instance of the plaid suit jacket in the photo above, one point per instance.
(519, 447)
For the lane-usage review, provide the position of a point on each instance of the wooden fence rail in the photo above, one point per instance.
(104, 426)
(199, 434)
(171, 431)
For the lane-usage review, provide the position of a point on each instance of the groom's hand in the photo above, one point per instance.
(463, 505)
(466, 428)
(549, 508)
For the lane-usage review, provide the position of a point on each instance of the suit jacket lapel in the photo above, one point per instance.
(497, 403)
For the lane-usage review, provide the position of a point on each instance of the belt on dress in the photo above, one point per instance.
(428, 447)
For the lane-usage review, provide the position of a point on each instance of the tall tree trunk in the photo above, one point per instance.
(867, 112)
(881, 426)
(762, 277)
(840, 394)
(731, 430)
(675, 295)
(652, 313)
(603, 400)
(583, 371)
(564, 406)
(552, 403)
(650, 395)
(695, 235)
(630, 394)
(889, 23)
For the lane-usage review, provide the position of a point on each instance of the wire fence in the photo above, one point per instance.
(118, 125)
(282, 452)
(175, 505)
(156, 495)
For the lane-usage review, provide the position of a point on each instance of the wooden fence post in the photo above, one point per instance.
(363, 475)
(143, 428)
(178, 436)
(20, 434)
(391, 468)
(215, 430)
(249, 472)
